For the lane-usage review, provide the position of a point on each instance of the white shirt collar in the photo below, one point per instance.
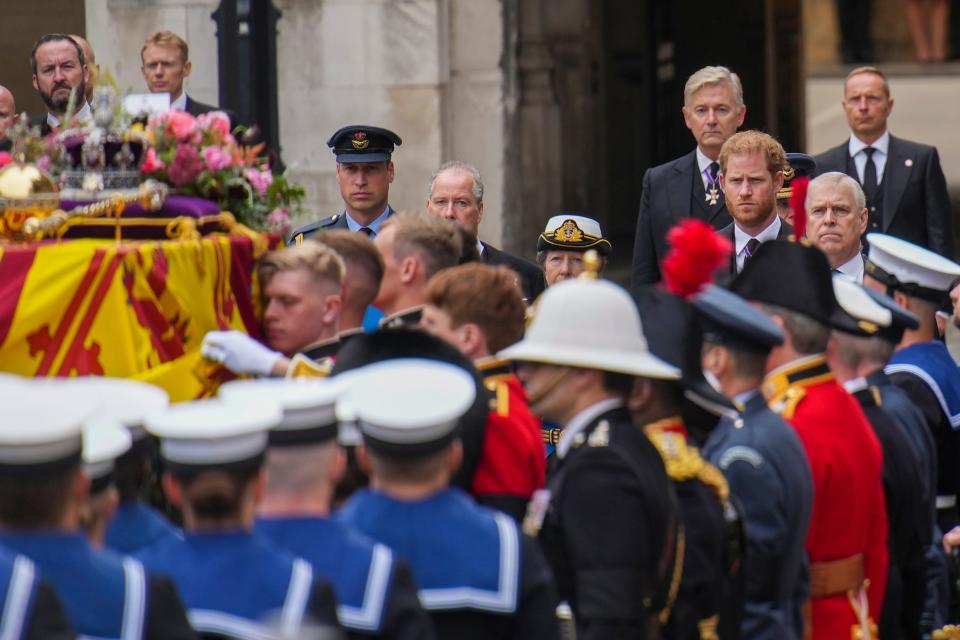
(85, 113)
(855, 384)
(881, 144)
(703, 161)
(741, 237)
(180, 104)
(479, 247)
(580, 421)
(853, 268)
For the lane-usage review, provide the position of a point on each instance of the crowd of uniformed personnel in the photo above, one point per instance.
(438, 439)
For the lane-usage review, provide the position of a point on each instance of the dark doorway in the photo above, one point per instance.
(613, 84)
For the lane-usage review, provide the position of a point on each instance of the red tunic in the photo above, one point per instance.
(849, 511)
(513, 463)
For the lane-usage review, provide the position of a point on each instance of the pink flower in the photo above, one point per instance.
(43, 163)
(182, 125)
(186, 165)
(216, 122)
(151, 163)
(278, 221)
(259, 180)
(216, 158)
(6, 158)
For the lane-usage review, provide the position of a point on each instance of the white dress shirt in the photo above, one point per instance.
(85, 113)
(180, 104)
(853, 268)
(882, 146)
(704, 163)
(741, 238)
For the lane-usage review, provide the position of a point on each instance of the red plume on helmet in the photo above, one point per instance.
(798, 202)
(697, 251)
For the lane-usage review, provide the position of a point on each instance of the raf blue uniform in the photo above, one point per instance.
(339, 221)
(136, 526)
(766, 468)
(354, 144)
(105, 595)
(478, 576)
(234, 584)
(376, 595)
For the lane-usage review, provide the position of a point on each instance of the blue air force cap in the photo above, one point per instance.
(362, 143)
(729, 320)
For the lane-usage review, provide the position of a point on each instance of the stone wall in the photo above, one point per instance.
(426, 69)
(117, 28)
(431, 70)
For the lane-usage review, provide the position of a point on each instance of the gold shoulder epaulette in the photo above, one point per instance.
(501, 400)
(682, 461)
(786, 403)
(713, 478)
(303, 367)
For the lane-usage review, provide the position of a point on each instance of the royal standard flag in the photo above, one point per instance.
(137, 309)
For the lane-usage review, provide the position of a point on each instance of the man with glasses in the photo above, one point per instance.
(836, 218)
(906, 193)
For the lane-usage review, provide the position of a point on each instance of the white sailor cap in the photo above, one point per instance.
(124, 400)
(211, 434)
(909, 268)
(409, 407)
(308, 405)
(104, 440)
(571, 232)
(862, 316)
(41, 430)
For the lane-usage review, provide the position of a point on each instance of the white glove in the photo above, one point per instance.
(239, 352)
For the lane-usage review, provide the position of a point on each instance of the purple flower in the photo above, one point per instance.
(186, 165)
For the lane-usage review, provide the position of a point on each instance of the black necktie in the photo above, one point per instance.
(366, 230)
(713, 170)
(752, 245)
(869, 175)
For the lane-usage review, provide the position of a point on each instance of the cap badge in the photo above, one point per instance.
(789, 173)
(568, 232)
(360, 141)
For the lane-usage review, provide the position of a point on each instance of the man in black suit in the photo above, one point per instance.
(751, 175)
(456, 193)
(165, 64)
(689, 186)
(59, 71)
(836, 220)
(903, 182)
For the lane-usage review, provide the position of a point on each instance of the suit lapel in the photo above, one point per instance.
(896, 173)
(732, 237)
(679, 195)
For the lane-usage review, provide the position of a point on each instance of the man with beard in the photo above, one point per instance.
(751, 174)
(59, 71)
(836, 218)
